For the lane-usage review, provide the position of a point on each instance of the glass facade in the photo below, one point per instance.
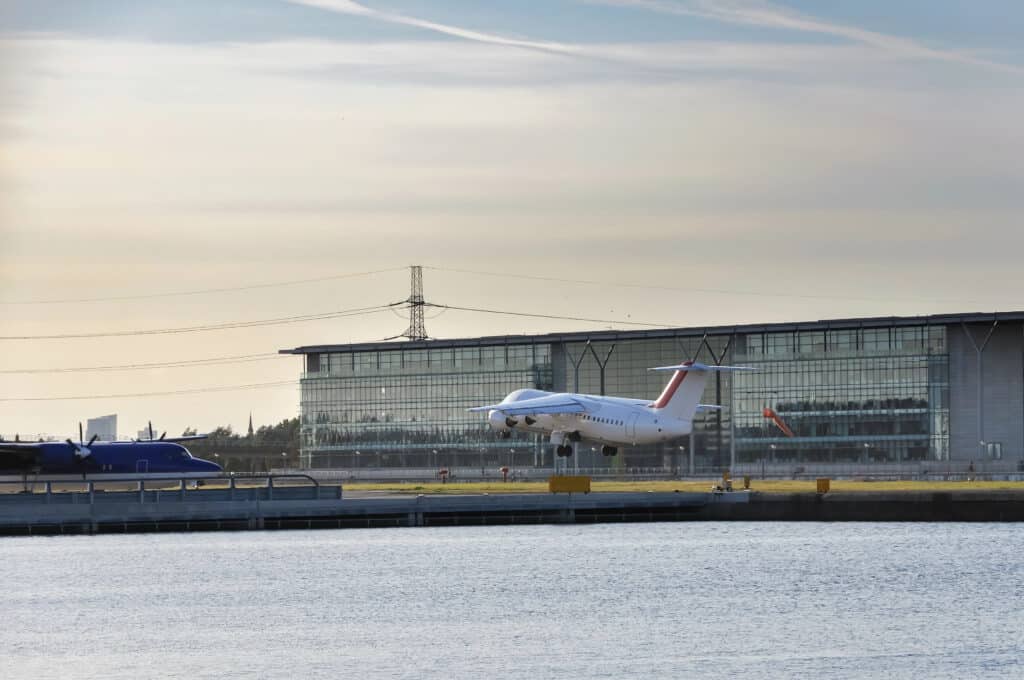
(407, 407)
(847, 395)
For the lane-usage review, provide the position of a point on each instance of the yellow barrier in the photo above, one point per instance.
(562, 484)
(824, 484)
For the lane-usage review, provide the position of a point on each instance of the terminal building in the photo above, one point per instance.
(103, 428)
(928, 390)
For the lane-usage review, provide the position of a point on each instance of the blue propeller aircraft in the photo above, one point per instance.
(154, 457)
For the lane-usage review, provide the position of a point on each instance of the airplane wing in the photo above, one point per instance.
(173, 440)
(18, 456)
(549, 405)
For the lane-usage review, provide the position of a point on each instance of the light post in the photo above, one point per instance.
(771, 455)
(358, 453)
(284, 460)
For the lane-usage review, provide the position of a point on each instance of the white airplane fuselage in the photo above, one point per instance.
(614, 421)
(610, 421)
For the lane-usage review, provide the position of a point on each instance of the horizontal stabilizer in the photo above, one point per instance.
(708, 407)
(701, 367)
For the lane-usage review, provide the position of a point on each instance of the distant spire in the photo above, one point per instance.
(250, 423)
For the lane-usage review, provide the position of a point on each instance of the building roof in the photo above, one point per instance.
(654, 333)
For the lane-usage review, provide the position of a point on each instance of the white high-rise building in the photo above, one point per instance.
(104, 426)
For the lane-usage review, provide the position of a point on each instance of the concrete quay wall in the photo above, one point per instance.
(904, 506)
(123, 513)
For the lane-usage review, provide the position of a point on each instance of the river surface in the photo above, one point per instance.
(675, 600)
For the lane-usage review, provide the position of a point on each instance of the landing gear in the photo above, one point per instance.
(505, 434)
(563, 451)
(608, 450)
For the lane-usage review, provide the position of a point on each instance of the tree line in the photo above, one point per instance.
(243, 453)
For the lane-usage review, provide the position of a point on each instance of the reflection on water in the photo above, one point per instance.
(610, 601)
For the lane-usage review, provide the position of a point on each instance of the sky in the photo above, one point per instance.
(172, 164)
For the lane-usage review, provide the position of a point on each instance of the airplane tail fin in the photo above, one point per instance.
(681, 396)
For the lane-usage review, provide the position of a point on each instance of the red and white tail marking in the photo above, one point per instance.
(681, 396)
(671, 387)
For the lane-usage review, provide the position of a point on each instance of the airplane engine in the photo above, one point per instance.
(499, 421)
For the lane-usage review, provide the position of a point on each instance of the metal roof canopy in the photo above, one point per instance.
(655, 333)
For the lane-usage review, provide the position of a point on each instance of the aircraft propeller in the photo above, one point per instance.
(160, 438)
(81, 449)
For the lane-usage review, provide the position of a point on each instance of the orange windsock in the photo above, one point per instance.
(779, 422)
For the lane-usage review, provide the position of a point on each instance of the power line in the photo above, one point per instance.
(132, 395)
(211, 327)
(553, 316)
(213, 361)
(204, 291)
(715, 291)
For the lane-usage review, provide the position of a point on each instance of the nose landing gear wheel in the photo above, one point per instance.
(563, 451)
(609, 450)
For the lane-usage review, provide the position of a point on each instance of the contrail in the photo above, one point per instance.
(765, 14)
(356, 9)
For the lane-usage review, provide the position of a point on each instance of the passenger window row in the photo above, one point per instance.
(608, 421)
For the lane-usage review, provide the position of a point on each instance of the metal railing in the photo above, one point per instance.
(134, 489)
(924, 470)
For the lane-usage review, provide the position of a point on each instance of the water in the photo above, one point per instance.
(679, 600)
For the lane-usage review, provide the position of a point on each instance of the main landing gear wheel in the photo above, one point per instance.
(609, 450)
(563, 451)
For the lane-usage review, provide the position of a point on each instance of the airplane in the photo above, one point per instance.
(610, 421)
(153, 457)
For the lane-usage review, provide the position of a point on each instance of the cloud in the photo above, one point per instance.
(767, 15)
